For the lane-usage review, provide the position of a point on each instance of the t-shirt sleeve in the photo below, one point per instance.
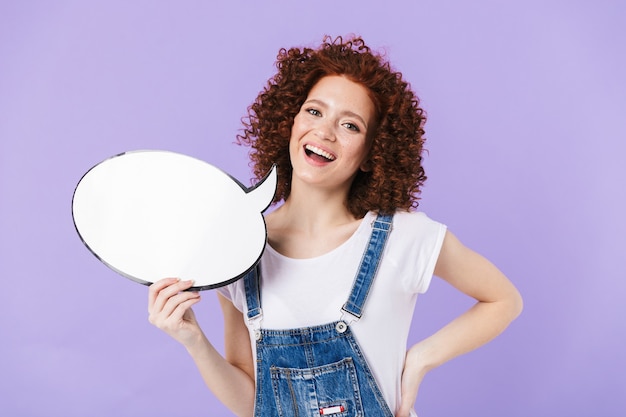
(225, 292)
(419, 241)
(235, 293)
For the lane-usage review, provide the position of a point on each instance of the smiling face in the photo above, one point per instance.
(330, 137)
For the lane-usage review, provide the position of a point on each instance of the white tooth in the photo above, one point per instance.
(319, 151)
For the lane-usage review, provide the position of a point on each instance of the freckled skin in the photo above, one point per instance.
(335, 117)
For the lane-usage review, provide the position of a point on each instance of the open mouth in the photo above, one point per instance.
(318, 154)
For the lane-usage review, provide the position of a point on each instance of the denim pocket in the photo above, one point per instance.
(331, 390)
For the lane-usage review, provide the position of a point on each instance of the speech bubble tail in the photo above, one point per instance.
(262, 193)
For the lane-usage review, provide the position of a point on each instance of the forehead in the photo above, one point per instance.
(344, 94)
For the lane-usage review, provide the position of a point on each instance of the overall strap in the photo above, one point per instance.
(369, 265)
(253, 295)
(381, 227)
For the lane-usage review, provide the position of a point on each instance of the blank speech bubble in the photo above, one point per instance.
(149, 215)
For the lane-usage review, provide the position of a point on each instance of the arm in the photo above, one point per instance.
(231, 379)
(498, 304)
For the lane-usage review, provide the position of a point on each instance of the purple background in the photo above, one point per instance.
(526, 133)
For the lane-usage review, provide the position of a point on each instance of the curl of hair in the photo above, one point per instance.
(396, 175)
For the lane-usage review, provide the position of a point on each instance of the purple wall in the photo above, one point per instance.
(526, 139)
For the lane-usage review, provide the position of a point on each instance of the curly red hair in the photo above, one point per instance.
(396, 173)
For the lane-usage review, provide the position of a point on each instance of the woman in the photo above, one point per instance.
(346, 254)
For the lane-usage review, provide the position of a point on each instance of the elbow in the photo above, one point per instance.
(517, 304)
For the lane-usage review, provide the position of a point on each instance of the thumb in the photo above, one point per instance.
(405, 408)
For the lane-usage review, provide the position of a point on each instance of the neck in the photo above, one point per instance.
(311, 222)
(313, 209)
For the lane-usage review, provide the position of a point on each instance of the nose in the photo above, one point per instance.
(325, 130)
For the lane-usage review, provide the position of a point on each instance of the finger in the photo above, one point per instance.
(404, 410)
(173, 303)
(410, 388)
(176, 320)
(169, 291)
(155, 289)
(185, 307)
(162, 317)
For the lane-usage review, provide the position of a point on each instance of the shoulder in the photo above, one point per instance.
(235, 293)
(417, 236)
(413, 248)
(416, 222)
(413, 233)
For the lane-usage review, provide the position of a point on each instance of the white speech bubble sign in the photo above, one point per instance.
(150, 215)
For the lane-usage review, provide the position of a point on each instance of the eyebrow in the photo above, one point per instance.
(345, 112)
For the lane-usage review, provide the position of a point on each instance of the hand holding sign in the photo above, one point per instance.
(155, 214)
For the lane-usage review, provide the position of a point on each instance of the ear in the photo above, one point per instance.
(366, 166)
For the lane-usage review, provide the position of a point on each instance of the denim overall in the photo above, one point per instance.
(320, 370)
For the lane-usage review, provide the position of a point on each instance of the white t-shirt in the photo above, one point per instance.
(307, 292)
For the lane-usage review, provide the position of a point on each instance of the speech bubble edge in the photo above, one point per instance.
(272, 172)
(247, 190)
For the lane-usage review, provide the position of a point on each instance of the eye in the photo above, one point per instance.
(314, 112)
(351, 126)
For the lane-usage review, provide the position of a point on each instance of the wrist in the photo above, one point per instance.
(420, 359)
(197, 344)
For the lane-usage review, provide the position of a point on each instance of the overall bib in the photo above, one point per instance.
(320, 370)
